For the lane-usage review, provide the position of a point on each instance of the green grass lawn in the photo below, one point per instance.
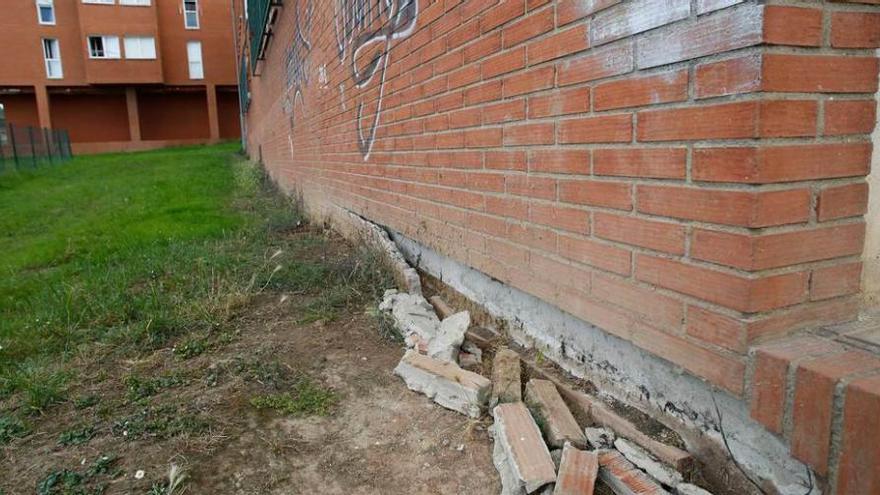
(129, 251)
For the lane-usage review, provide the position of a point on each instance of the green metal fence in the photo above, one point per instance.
(259, 20)
(23, 147)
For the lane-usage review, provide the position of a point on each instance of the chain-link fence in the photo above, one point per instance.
(23, 147)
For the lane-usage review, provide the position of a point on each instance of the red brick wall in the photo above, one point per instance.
(91, 118)
(228, 114)
(688, 176)
(20, 109)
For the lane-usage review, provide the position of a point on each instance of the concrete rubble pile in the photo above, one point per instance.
(539, 446)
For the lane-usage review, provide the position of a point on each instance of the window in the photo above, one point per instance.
(194, 53)
(104, 2)
(52, 55)
(140, 47)
(46, 11)
(145, 3)
(104, 47)
(191, 14)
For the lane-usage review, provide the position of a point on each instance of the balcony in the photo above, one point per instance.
(262, 15)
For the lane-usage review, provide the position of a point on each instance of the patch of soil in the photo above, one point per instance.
(379, 437)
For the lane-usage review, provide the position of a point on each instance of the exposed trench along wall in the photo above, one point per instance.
(680, 184)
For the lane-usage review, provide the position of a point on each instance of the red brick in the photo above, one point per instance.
(855, 30)
(571, 10)
(652, 90)
(660, 163)
(481, 93)
(715, 329)
(596, 64)
(501, 13)
(660, 236)
(813, 403)
(743, 208)
(699, 37)
(762, 252)
(536, 187)
(600, 255)
(657, 308)
(616, 195)
(820, 74)
(560, 161)
(770, 379)
(523, 134)
(835, 281)
(505, 111)
(792, 26)
(529, 81)
(560, 102)
(558, 45)
(560, 217)
(468, 117)
(729, 77)
(577, 472)
(527, 28)
(842, 201)
(482, 138)
(725, 121)
(728, 290)
(859, 470)
(482, 48)
(788, 118)
(603, 129)
(534, 237)
(504, 62)
(781, 163)
(805, 316)
(630, 18)
(849, 116)
(508, 160)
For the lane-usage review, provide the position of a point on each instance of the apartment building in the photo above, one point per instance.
(121, 74)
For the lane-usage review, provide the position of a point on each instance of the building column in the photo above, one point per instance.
(134, 119)
(42, 95)
(213, 117)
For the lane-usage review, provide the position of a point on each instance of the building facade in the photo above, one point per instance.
(121, 74)
(666, 196)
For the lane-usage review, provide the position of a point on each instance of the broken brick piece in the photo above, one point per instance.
(623, 477)
(443, 310)
(446, 383)
(577, 472)
(506, 384)
(520, 455)
(556, 420)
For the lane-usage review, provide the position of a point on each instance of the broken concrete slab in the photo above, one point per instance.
(520, 455)
(689, 489)
(646, 462)
(577, 472)
(557, 422)
(443, 310)
(506, 382)
(412, 315)
(449, 337)
(600, 438)
(624, 478)
(405, 275)
(445, 383)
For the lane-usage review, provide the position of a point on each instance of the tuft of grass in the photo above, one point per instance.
(162, 422)
(86, 401)
(40, 384)
(77, 436)
(307, 399)
(12, 427)
(141, 388)
(190, 348)
(89, 481)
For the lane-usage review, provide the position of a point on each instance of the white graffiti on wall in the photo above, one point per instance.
(364, 32)
(297, 58)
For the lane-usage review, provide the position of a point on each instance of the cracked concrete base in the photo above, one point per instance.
(629, 372)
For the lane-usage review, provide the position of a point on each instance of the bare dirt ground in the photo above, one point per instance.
(362, 433)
